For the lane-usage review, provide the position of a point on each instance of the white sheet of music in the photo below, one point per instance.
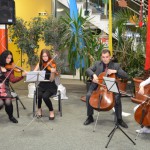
(33, 76)
(111, 84)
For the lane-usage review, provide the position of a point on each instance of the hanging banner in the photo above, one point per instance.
(147, 61)
(3, 38)
(74, 16)
(110, 26)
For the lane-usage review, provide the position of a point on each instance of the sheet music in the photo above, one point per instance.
(33, 76)
(111, 84)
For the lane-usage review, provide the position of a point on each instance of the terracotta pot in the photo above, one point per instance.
(122, 84)
(83, 98)
(138, 98)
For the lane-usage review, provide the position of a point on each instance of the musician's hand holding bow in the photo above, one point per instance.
(95, 78)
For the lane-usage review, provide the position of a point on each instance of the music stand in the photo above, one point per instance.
(112, 86)
(36, 77)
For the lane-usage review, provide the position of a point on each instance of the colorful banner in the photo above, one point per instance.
(3, 38)
(74, 16)
(147, 61)
(110, 26)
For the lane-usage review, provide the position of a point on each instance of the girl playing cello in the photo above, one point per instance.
(7, 76)
(141, 91)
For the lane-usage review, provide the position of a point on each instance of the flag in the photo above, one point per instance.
(147, 60)
(110, 26)
(74, 16)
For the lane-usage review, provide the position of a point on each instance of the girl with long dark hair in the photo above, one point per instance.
(6, 76)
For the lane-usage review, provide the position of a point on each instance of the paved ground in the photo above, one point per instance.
(67, 132)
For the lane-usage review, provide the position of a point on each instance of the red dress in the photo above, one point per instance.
(5, 91)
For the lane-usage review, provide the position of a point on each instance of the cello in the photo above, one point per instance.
(142, 113)
(102, 99)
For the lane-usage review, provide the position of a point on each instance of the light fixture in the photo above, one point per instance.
(60, 9)
(42, 13)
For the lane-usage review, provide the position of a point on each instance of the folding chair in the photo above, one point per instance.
(15, 96)
(59, 102)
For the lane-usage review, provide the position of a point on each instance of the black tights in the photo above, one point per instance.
(45, 95)
(8, 106)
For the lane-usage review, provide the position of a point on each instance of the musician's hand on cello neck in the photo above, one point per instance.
(111, 71)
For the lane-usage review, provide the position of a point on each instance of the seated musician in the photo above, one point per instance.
(111, 68)
(6, 76)
(46, 89)
(141, 91)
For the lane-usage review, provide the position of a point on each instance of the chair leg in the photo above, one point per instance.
(21, 102)
(59, 103)
(17, 96)
(96, 121)
(17, 107)
(34, 103)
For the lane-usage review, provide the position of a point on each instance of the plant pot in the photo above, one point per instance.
(138, 98)
(88, 83)
(83, 98)
(122, 84)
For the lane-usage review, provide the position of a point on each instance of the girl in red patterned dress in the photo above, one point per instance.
(7, 76)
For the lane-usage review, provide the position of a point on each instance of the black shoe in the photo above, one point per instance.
(51, 118)
(14, 120)
(122, 123)
(89, 120)
(39, 116)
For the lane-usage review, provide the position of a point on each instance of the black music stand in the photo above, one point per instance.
(112, 86)
(36, 77)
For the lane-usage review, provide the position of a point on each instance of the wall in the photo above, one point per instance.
(28, 9)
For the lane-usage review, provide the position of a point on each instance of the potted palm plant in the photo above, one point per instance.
(82, 43)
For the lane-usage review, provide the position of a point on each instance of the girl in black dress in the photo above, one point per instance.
(46, 89)
(6, 76)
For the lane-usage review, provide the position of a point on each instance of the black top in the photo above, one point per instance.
(48, 85)
(98, 68)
